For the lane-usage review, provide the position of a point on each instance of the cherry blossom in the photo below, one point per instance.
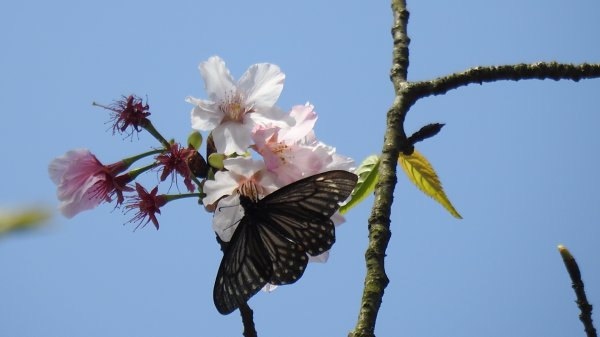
(294, 152)
(84, 182)
(234, 109)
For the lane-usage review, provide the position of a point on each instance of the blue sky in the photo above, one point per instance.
(518, 160)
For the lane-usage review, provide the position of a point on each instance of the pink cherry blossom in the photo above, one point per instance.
(234, 109)
(294, 152)
(84, 182)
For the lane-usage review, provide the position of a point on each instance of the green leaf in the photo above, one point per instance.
(368, 174)
(11, 221)
(422, 174)
(195, 140)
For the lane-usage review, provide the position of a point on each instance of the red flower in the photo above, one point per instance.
(148, 204)
(176, 160)
(128, 112)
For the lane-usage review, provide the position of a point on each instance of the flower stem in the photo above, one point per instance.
(150, 128)
(171, 197)
(131, 160)
(136, 172)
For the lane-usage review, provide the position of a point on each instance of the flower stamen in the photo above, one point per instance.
(234, 107)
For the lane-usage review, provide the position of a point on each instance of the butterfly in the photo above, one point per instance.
(273, 238)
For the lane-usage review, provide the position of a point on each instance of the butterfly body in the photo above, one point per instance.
(272, 240)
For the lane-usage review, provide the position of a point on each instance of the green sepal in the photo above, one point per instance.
(195, 140)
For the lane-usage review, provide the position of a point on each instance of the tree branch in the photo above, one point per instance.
(395, 138)
(586, 309)
(479, 75)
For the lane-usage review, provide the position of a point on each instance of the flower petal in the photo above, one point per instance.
(340, 162)
(322, 258)
(269, 287)
(228, 214)
(305, 119)
(76, 172)
(80, 202)
(243, 166)
(262, 83)
(232, 137)
(60, 165)
(224, 184)
(206, 115)
(269, 118)
(217, 79)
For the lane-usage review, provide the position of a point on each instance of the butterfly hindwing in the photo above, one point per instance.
(244, 270)
(289, 259)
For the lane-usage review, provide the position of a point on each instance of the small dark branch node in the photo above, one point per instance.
(425, 132)
(586, 309)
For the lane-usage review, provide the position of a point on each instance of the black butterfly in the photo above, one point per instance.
(272, 239)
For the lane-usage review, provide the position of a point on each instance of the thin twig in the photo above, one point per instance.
(586, 309)
(248, 320)
(515, 72)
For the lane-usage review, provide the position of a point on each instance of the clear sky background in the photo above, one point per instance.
(518, 160)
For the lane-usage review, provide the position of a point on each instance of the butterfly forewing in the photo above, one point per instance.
(315, 234)
(302, 210)
(318, 194)
(244, 270)
(271, 242)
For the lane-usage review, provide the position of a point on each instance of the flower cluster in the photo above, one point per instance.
(242, 116)
(242, 119)
(84, 182)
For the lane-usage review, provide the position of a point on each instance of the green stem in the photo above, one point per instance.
(150, 128)
(171, 197)
(136, 172)
(131, 160)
